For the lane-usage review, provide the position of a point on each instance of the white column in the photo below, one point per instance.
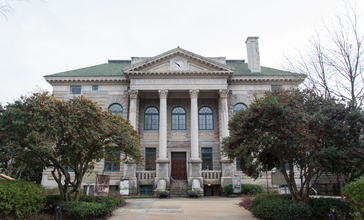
(224, 116)
(132, 110)
(163, 124)
(194, 124)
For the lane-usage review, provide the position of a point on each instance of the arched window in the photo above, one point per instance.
(178, 118)
(205, 119)
(116, 109)
(239, 107)
(151, 118)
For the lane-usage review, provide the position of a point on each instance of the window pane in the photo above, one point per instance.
(202, 122)
(151, 118)
(116, 166)
(175, 122)
(150, 157)
(206, 158)
(182, 122)
(107, 166)
(75, 90)
(95, 88)
(147, 122)
(155, 122)
(238, 107)
(116, 109)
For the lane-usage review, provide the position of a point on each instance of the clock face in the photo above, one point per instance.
(178, 64)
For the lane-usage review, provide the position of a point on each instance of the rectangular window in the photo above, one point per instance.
(150, 157)
(276, 87)
(145, 189)
(112, 162)
(75, 90)
(206, 154)
(113, 188)
(95, 88)
(237, 165)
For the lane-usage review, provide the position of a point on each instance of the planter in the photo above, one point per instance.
(192, 194)
(163, 194)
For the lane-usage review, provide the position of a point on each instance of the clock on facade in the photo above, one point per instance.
(178, 64)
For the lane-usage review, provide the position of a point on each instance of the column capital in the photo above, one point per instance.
(133, 94)
(163, 94)
(194, 93)
(223, 93)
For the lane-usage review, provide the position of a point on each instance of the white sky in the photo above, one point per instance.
(41, 38)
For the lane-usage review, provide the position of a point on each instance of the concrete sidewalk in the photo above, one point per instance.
(183, 208)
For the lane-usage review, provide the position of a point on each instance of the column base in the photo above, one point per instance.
(162, 172)
(227, 172)
(130, 174)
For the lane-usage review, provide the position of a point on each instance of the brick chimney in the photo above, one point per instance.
(252, 48)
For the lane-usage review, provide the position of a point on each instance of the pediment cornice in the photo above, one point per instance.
(139, 68)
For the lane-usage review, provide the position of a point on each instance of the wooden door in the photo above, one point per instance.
(178, 165)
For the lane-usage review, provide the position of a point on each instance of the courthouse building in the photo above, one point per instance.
(180, 104)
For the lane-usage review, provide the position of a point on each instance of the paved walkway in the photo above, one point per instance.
(182, 208)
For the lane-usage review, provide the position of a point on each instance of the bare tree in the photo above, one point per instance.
(6, 8)
(334, 63)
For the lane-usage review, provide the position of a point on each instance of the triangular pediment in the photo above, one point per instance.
(178, 61)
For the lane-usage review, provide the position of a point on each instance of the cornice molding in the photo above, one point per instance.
(181, 73)
(177, 52)
(65, 79)
(298, 79)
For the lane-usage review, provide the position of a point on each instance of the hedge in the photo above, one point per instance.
(278, 207)
(20, 199)
(321, 208)
(86, 207)
(251, 189)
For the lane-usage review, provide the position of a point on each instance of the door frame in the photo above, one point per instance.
(184, 150)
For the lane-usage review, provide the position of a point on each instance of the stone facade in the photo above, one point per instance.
(176, 79)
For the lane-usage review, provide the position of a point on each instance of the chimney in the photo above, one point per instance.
(252, 49)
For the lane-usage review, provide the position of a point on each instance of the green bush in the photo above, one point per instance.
(228, 190)
(354, 193)
(251, 189)
(87, 206)
(280, 207)
(321, 207)
(20, 199)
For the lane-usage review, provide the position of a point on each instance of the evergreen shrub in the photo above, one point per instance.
(86, 207)
(228, 190)
(280, 207)
(251, 189)
(321, 208)
(354, 192)
(20, 199)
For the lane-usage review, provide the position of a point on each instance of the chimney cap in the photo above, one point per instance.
(248, 38)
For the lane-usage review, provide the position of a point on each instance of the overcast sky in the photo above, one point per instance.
(40, 38)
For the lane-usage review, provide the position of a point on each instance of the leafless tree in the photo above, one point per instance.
(6, 8)
(334, 63)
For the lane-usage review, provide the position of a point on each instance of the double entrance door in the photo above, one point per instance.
(178, 165)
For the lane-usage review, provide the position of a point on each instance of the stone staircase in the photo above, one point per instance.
(178, 188)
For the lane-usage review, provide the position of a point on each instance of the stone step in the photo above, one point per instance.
(179, 188)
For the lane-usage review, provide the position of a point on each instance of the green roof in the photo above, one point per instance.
(114, 68)
(241, 69)
(105, 69)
